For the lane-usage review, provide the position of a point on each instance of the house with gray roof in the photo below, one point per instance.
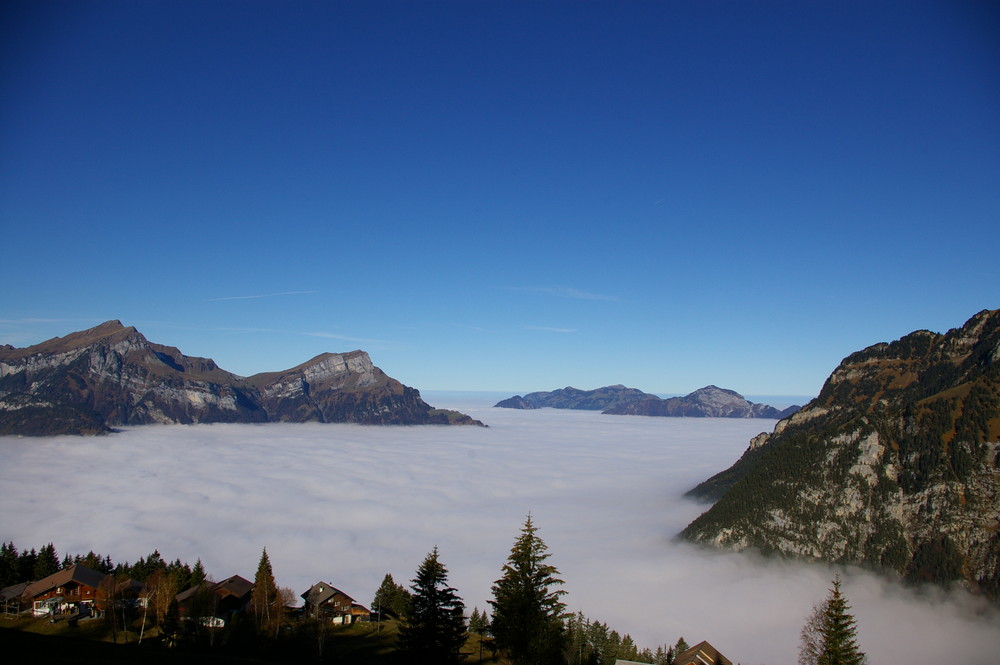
(702, 653)
(325, 601)
(71, 589)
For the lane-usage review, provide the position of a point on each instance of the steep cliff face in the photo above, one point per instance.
(896, 464)
(707, 402)
(344, 387)
(111, 375)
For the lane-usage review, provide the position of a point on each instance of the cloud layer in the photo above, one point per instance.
(347, 504)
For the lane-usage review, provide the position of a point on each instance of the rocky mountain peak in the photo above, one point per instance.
(111, 375)
(896, 464)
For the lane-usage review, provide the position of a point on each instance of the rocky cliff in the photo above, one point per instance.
(111, 375)
(895, 465)
(707, 402)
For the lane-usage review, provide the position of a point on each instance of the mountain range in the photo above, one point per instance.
(94, 380)
(707, 402)
(895, 465)
(574, 398)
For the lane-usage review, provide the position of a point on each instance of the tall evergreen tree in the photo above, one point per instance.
(47, 562)
(433, 630)
(840, 644)
(527, 613)
(478, 623)
(26, 565)
(10, 572)
(264, 599)
(391, 598)
(198, 574)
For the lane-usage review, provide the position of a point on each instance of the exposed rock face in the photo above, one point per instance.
(110, 375)
(896, 464)
(574, 398)
(707, 402)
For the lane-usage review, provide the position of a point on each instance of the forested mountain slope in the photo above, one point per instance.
(896, 464)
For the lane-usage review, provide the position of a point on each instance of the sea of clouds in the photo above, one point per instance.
(347, 504)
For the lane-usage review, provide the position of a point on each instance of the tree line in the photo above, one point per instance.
(527, 623)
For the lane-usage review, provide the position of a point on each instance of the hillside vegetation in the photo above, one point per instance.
(895, 465)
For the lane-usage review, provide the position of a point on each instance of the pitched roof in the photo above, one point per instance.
(702, 653)
(79, 574)
(13, 591)
(231, 586)
(321, 592)
(234, 586)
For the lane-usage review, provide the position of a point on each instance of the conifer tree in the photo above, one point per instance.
(478, 622)
(46, 563)
(198, 575)
(433, 630)
(391, 598)
(9, 568)
(840, 645)
(829, 635)
(527, 612)
(264, 600)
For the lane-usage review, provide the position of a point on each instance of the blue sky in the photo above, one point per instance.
(509, 196)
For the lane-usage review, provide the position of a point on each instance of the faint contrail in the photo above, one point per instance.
(263, 295)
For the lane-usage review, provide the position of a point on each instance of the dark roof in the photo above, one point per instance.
(187, 593)
(13, 591)
(231, 586)
(234, 586)
(321, 592)
(702, 653)
(79, 574)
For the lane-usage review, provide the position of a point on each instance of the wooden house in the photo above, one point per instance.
(325, 601)
(216, 598)
(702, 653)
(71, 589)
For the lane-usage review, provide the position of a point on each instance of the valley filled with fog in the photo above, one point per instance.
(347, 504)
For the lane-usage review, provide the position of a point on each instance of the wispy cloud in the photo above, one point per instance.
(347, 338)
(550, 329)
(263, 295)
(565, 292)
(20, 322)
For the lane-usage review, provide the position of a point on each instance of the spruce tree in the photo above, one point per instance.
(10, 572)
(46, 563)
(478, 623)
(527, 612)
(391, 598)
(264, 600)
(839, 631)
(198, 574)
(433, 630)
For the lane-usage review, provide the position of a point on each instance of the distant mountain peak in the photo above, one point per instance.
(708, 402)
(574, 398)
(111, 375)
